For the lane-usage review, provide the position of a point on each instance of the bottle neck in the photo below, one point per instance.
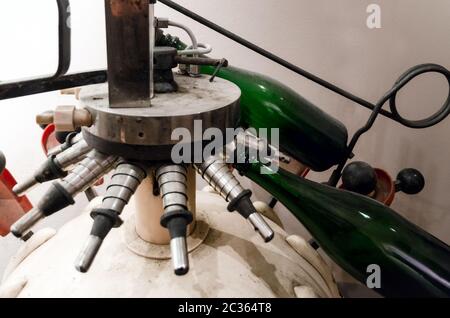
(356, 231)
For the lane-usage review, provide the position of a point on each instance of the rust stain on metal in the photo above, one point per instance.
(126, 7)
(128, 47)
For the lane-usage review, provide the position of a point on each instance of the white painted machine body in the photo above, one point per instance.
(228, 259)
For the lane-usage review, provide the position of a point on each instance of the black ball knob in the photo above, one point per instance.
(359, 177)
(410, 181)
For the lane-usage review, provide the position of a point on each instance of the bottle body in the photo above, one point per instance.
(358, 232)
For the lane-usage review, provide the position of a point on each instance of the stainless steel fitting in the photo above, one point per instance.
(88, 171)
(124, 182)
(255, 148)
(66, 118)
(61, 194)
(55, 167)
(172, 182)
(220, 177)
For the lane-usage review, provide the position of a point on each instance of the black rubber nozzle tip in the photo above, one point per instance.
(104, 221)
(242, 204)
(176, 222)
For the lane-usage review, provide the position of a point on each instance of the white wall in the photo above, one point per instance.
(28, 33)
(328, 38)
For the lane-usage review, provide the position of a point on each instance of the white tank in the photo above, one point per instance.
(227, 259)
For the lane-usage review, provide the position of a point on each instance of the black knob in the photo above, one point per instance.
(359, 177)
(410, 181)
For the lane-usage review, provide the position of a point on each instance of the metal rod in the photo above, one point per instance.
(220, 177)
(39, 85)
(128, 48)
(391, 96)
(200, 61)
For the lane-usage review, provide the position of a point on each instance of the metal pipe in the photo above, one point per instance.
(61, 194)
(13, 89)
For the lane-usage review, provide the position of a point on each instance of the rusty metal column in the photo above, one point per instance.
(129, 60)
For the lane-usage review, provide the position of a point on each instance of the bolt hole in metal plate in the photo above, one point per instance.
(215, 104)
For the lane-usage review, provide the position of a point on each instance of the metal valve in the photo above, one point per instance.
(176, 218)
(219, 176)
(61, 194)
(124, 182)
(55, 167)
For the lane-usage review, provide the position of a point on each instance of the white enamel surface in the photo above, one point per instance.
(232, 262)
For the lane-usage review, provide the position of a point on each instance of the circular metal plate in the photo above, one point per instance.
(215, 104)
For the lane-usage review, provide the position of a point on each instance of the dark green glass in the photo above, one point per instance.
(356, 231)
(306, 132)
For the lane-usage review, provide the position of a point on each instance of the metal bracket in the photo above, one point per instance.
(128, 46)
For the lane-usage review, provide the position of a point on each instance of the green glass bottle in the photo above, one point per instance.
(306, 132)
(356, 231)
